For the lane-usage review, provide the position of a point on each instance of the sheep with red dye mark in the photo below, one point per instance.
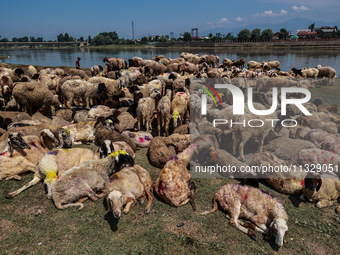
(142, 139)
(263, 209)
(173, 184)
(319, 157)
(323, 189)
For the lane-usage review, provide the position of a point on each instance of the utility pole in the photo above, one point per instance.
(133, 32)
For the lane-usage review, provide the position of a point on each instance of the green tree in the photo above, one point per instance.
(89, 38)
(284, 34)
(267, 34)
(210, 35)
(81, 39)
(244, 35)
(312, 27)
(229, 36)
(256, 34)
(4, 40)
(187, 37)
(144, 40)
(60, 38)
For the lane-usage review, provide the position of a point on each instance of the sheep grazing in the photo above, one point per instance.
(53, 164)
(163, 113)
(125, 188)
(173, 184)
(253, 65)
(86, 178)
(263, 209)
(323, 189)
(326, 72)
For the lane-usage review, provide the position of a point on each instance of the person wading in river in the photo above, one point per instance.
(77, 63)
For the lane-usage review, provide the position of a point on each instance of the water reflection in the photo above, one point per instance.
(66, 57)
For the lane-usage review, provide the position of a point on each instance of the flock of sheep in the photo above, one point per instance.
(155, 104)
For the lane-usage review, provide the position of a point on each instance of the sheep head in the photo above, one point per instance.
(115, 201)
(278, 227)
(16, 139)
(106, 148)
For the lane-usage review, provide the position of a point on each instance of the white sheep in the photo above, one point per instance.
(310, 73)
(86, 178)
(53, 164)
(125, 188)
(263, 209)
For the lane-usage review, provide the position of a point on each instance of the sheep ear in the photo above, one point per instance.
(109, 205)
(42, 140)
(10, 146)
(318, 186)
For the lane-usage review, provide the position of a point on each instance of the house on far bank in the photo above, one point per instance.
(294, 37)
(325, 31)
(306, 34)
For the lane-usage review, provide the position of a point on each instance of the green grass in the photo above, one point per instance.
(94, 231)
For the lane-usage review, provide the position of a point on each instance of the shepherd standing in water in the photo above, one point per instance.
(77, 63)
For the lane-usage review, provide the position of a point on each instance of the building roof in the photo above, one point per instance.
(305, 32)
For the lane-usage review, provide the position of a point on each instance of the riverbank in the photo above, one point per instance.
(272, 44)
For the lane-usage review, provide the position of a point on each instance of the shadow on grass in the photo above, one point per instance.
(113, 222)
(295, 200)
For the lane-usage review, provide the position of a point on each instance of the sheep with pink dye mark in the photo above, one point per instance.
(319, 157)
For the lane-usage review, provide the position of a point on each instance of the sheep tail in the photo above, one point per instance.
(214, 207)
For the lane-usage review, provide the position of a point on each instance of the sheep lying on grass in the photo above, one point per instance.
(323, 189)
(125, 188)
(53, 164)
(253, 204)
(108, 147)
(173, 184)
(86, 178)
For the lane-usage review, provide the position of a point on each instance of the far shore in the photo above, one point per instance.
(324, 44)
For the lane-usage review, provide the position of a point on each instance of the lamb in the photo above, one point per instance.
(263, 209)
(179, 106)
(323, 189)
(227, 63)
(130, 185)
(310, 73)
(30, 97)
(163, 113)
(173, 184)
(85, 179)
(53, 164)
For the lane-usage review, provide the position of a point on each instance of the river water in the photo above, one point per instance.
(289, 58)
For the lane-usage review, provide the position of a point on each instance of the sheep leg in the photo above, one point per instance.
(240, 148)
(148, 191)
(248, 225)
(15, 177)
(131, 201)
(236, 141)
(214, 209)
(324, 203)
(261, 141)
(235, 212)
(36, 180)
